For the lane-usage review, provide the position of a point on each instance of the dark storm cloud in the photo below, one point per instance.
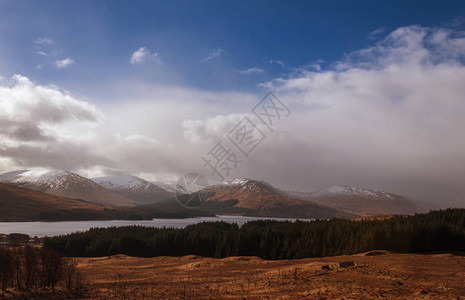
(22, 131)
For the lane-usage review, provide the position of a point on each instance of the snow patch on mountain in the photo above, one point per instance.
(128, 182)
(53, 179)
(248, 184)
(133, 183)
(237, 181)
(168, 187)
(352, 191)
(294, 194)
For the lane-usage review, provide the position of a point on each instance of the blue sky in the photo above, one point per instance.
(100, 37)
(148, 87)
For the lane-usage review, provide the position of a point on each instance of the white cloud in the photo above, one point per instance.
(40, 124)
(211, 129)
(249, 71)
(142, 55)
(60, 64)
(44, 41)
(46, 54)
(23, 100)
(375, 34)
(278, 62)
(215, 54)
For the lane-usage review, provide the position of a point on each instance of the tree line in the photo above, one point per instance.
(144, 212)
(442, 230)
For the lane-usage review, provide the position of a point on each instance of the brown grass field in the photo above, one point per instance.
(388, 276)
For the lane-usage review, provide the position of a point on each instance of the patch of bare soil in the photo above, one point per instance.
(372, 276)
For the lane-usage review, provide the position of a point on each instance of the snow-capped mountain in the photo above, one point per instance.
(172, 188)
(361, 201)
(135, 188)
(352, 191)
(251, 197)
(128, 182)
(243, 196)
(64, 184)
(248, 184)
(51, 178)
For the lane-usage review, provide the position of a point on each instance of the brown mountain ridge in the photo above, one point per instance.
(248, 197)
(21, 204)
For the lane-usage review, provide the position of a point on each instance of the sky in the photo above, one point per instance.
(371, 91)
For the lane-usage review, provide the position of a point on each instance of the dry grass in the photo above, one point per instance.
(402, 276)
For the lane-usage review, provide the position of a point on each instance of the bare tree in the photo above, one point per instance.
(74, 280)
(51, 267)
(17, 261)
(69, 272)
(6, 268)
(30, 266)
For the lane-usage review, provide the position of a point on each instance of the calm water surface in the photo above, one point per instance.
(41, 229)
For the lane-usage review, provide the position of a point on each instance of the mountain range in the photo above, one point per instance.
(18, 204)
(135, 188)
(250, 197)
(259, 198)
(246, 197)
(363, 202)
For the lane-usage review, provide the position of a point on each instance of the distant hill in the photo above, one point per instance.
(20, 204)
(65, 184)
(135, 188)
(250, 197)
(25, 205)
(363, 202)
(258, 198)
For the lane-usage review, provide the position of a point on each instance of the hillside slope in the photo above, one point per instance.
(20, 204)
(363, 202)
(65, 184)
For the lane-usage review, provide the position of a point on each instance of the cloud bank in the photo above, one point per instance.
(388, 117)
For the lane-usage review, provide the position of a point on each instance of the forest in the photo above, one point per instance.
(436, 231)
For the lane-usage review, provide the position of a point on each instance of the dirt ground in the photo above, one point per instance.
(386, 275)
